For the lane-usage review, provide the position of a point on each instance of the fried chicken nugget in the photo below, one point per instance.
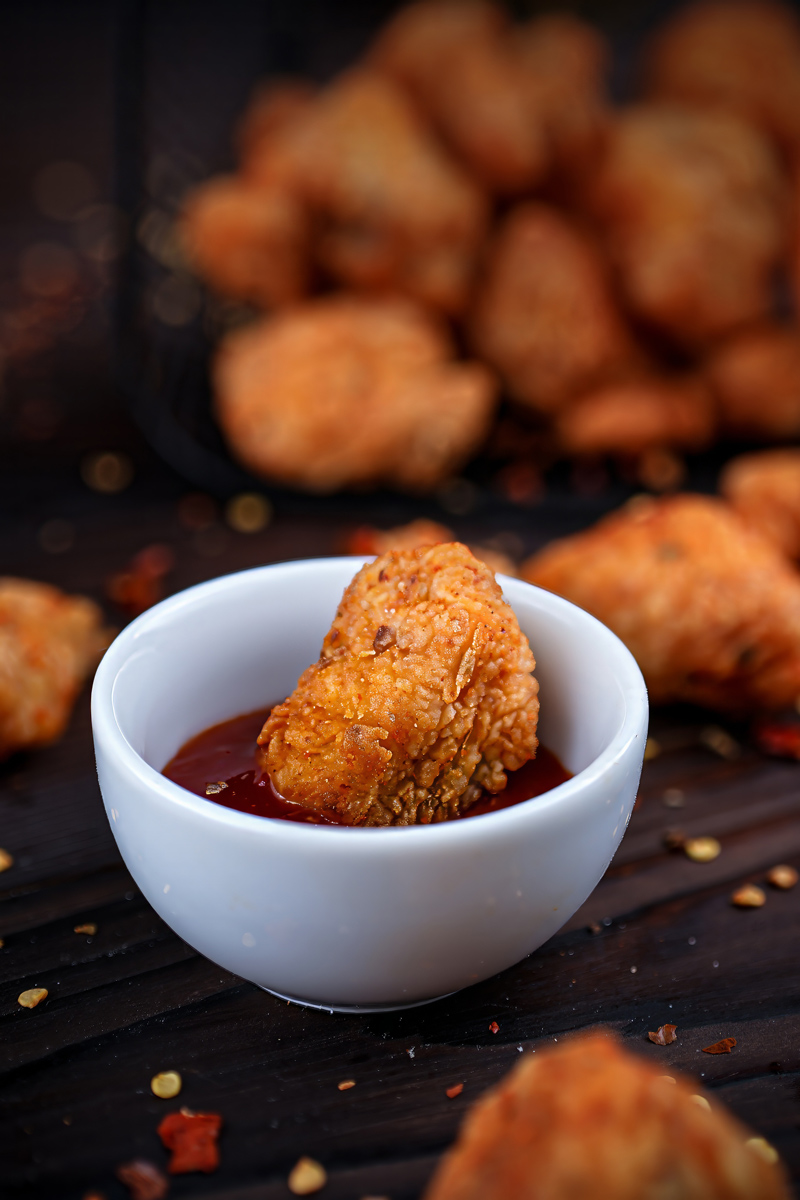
(273, 106)
(49, 642)
(422, 532)
(765, 490)
(393, 212)
(457, 61)
(636, 415)
(709, 608)
(346, 391)
(589, 1120)
(423, 695)
(739, 55)
(248, 243)
(694, 209)
(545, 315)
(755, 378)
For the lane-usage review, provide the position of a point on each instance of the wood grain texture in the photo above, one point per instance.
(134, 999)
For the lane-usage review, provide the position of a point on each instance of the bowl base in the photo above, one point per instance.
(354, 1008)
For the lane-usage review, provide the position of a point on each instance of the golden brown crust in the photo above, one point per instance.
(423, 695)
(633, 416)
(456, 60)
(765, 490)
(345, 391)
(248, 243)
(422, 532)
(755, 378)
(49, 642)
(693, 206)
(739, 55)
(391, 209)
(588, 1120)
(708, 607)
(545, 314)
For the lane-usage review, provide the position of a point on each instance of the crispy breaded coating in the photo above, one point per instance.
(765, 490)
(755, 378)
(49, 643)
(423, 695)
(545, 315)
(587, 1120)
(248, 243)
(693, 206)
(636, 415)
(392, 211)
(566, 62)
(709, 608)
(739, 55)
(367, 539)
(345, 391)
(456, 59)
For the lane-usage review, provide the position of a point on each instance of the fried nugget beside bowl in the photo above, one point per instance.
(347, 917)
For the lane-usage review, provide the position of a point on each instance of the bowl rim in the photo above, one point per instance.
(108, 731)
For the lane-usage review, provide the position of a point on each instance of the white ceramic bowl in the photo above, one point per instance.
(355, 918)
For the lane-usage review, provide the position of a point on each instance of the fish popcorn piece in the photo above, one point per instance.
(391, 210)
(49, 644)
(249, 244)
(545, 315)
(346, 391)
(458, 63)
(588, 1119)
(765, 490)
(422, 696)
(709, 608)
(694, 210)
(633, 416)
(755, 378)
(738, 55)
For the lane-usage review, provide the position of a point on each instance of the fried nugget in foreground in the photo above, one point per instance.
(694, 209)
(589, 1121)
(636, 415)
(765, 490)
(709, 608)
(423, 695)
(391, 210)
(755, 378)
(49, 642)
(545, 315)
(740, 55)
(343, 391)
(422, 532)
(456, 60)
(248, 243)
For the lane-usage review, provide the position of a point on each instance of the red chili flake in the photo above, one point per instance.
(664, 1035)
(143, 1180)
(722, 1047)
(455, 1090)
(779, 738)
(140, 585)
(494, 1027)
(192, 1138)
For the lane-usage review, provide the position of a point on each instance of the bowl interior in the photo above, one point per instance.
(239, 643)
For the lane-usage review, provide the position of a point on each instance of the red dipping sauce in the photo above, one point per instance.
(225, 755)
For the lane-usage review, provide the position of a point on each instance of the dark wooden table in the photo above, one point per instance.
(134, 999)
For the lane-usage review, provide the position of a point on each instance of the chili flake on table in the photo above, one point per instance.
(454, 1091)
(494, 1027)
(724, 1046)
(192, 1138)
(143, 1180)
(664, 1035)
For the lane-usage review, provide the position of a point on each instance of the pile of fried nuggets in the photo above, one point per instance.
(468, 187)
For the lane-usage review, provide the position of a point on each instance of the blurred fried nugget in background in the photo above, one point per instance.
(49, 643)
(739, 55)
(755, 378)
(588, 1120)
(765, 490)
(423, 695)
(709, 608)
(693, 207)
(545, 315)
(347, 391)
(457, 62)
